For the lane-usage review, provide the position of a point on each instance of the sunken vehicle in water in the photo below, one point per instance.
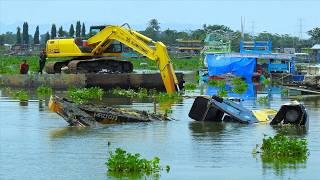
(219, 109)
(94, 115)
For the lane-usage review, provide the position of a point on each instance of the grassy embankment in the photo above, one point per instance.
(11, 64)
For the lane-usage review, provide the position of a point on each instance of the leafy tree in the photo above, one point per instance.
(78, 29)
(18, 35)
(315, 34)
(199, 34)
(216, 27)
(25, 34)
(71, 31)
(53, 31)
(169, 36)
(36, 37)
(47, 37)
(8, 38)
(61, 32)
(83, 31)
(154, 24)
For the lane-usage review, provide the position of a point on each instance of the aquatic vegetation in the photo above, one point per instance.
(190, 86)
(263, 100)
(140, 93)
(222, 92)
(44, 91)
(217, 83)
(281, 146)
(84, 95)
(123, 163)
(266, 82)
(161, 96)
(144, 93)
(239, 85)
(285, 91)
(221, 85)
(22, 95)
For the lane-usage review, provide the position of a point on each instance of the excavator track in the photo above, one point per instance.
(97, 65)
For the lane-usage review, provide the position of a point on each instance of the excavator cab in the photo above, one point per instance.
(115, 47)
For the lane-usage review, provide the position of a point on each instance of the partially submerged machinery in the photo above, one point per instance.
(93, 115)
(102, 53)
(216, 108)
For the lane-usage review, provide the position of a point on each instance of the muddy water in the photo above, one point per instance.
(37, 144)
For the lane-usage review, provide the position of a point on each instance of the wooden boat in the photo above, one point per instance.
(92, 115)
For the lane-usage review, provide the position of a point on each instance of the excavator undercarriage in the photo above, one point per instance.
(92, 65)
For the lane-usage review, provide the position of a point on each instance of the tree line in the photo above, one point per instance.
(25, 38)
(168, 36)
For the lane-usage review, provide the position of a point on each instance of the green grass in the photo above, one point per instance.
(11, 64)
(123, 163)
(83, 95)
(178, 64)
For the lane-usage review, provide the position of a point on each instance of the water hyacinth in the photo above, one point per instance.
(44, 91)
(84, 95)
(190, 86)
(281, 146)
(122, 163)
(22, 95)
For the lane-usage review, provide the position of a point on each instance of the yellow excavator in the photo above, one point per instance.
(102, 53)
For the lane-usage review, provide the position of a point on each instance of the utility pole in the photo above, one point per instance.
(300, 29)
(252, 29)
(243, 21)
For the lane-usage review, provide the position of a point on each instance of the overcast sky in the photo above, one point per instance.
(277, 16)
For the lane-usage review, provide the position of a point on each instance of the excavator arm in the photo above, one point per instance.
(140, 43)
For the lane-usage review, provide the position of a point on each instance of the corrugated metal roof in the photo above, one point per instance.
(316, 46)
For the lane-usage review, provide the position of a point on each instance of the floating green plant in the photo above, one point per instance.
(144, 93)
(263, 100)
(84, 95)
(285, 91)
(123, 163)
(44, 91)
(266, 82)
(190, 86)
(281, 146)
(22, 95)
(239, 85)
(222, 92)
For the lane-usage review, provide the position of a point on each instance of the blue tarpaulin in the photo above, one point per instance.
(238, 66)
